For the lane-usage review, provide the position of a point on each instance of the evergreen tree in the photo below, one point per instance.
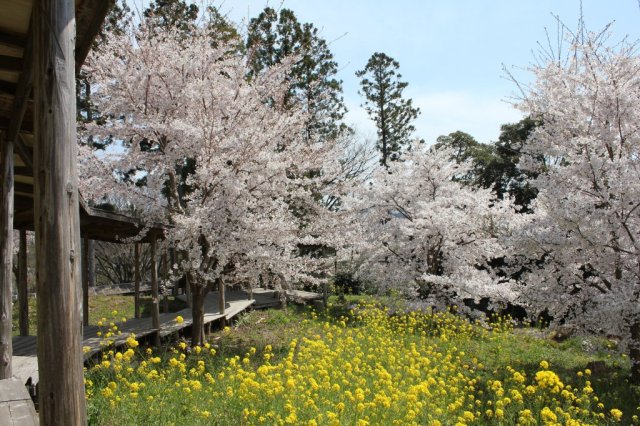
(382, 88)
(272, 37)
(172, 13)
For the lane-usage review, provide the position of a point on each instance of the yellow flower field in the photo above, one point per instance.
(371, 369)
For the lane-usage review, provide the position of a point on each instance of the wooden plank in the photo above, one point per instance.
(12, 390)
(6, 255)
(5, 415)
(57, 222)
(23, 413)
(16, 407)
(25, 367)
(24, 345)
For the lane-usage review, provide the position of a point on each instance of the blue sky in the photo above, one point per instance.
(450, 51)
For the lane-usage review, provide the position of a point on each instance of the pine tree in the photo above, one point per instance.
(272, 37)
(382, 88)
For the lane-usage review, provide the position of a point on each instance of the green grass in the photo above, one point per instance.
(485, 355)
(101, 307)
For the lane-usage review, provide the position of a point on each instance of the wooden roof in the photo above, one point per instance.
(16, 110)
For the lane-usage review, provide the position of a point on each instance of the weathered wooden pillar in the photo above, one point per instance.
(6, 254)
(136, 278)
(57, 221)
(222, 302)
(155, 305)
(23, 289)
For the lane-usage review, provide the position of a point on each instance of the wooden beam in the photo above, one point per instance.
(6, 256)
(21, 171)
(57, 222)
(8, 88)
(23, 289)
(90, 18)
(20, 102)
(10, 63)
(23, 188)
(12, 40)
(155, 302)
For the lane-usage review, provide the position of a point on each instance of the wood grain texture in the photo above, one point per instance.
(6, 254)
(57, 222)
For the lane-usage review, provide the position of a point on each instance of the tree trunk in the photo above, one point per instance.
(634, 352)
(136, 288)
(57, 221)
(155, 300)
(197, 311)
(23, 285)
(6, 252)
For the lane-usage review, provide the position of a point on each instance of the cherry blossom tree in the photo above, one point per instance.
(254, 194)
(425, 232)
(586, 229)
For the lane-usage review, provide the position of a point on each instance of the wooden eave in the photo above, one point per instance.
(16, 112)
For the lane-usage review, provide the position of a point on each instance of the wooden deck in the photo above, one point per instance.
(25, 361)
(16, 407)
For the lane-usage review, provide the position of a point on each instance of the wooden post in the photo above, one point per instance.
(172, 261)
(6, 253)
(155, 305)
(88, 275)
(23, 289)
(165, 278)
(85, 282)
(57, 221)
(136, 285)
(221, 296)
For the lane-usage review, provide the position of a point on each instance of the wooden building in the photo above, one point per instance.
(43, 44)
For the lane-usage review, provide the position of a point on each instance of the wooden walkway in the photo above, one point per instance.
(16, 407)
(25, 361)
